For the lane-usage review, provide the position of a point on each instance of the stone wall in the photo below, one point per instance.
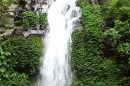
(8, 18)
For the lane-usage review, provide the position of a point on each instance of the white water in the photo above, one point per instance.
(56, 69)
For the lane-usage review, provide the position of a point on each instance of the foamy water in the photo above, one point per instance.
(56, 69)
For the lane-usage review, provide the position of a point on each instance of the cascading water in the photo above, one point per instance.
(56, 69)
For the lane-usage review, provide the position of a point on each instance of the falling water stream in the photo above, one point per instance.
(55, 69)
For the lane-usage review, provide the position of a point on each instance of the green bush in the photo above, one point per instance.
(19, 60)
(43, 19)
(3, 63)
(25, 53)
(16, 79)
(9, 77)
(29, 18)
(101, 48)
(115, 10)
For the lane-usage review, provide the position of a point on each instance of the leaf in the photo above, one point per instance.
(2, 69)
(2, 57)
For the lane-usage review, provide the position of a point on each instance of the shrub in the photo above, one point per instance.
(115, 10)
(91, 69)
(91, 64)
(42, 19)
(9, 77)
(16, 79)
(25, 53)
(3, 63)
(29, 18)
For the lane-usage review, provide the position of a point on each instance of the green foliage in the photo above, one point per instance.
(25, 53)
(124, 48)
(101, 48)
(8, 77)
(29, 19)
(15, 79)
(20, 65)
(119, 36)
(3, 63)
(115, 10)
(42, 19)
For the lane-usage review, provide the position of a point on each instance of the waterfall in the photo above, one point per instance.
(55, 69)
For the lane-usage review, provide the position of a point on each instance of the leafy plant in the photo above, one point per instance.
(100, 49)
(4, 63)
(29, 18)
(16, 79)
(42, 19)
(18, 67)
(25, 53)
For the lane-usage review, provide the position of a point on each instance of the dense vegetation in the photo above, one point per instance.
(101, 48)
(19, 60)
(30, 18)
